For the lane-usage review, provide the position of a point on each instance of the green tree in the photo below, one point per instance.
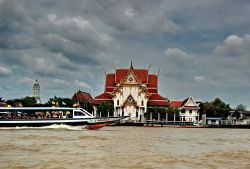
(59, 101)
(240, 108)
(87, 106)
(171, 112)
(28, 101)
(25, 101)
(105, 108)
(216, 108)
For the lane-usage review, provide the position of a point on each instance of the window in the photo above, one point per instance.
(78, 113)
(190, 111)
(142, 103)
(117, 103)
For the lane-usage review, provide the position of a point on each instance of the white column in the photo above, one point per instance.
(151, 118)
(159, 116)
(142, 114)
(95, 110)
(166, 116)
(174, 116)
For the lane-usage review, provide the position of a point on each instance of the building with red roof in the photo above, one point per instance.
(132, 92)
(82, 96)
(188, 109)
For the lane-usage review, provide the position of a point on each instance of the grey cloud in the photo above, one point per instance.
(65, 44)
(234, 46)
(4, 72)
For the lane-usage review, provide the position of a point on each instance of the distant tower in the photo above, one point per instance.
(36, 91)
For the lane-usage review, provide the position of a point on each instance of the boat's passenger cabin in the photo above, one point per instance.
(42, 113)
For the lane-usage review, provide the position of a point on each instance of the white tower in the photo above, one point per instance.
(36, 91)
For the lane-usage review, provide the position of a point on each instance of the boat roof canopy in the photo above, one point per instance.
(38, 108)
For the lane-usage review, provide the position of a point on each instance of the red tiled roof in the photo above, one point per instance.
(110, 80)
(152, 90)
(96, 102)
(152, 80)
(156, 99)
(176, 103)
(82, 96)
(142, 74)
(104, 97)
(158, 103)
(109, 89)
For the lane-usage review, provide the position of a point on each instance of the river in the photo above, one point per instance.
(125, 147)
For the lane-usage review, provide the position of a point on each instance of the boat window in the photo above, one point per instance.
(79, 113)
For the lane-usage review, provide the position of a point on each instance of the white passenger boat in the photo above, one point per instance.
(45, 116)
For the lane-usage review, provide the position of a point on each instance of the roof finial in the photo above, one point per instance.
(159, 71)
(131, 65)
(149, 67)
(114, 66)
(104, 70)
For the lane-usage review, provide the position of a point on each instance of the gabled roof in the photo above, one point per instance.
(142, 74)
(104, 97)
(130, 100)
(156, 99)
(176, 103)
(82, 96)
(131, 74)
(183, 104)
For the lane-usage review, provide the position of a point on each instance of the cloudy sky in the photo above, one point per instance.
(201, 47)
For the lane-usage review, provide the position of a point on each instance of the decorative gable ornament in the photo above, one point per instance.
(130, 101)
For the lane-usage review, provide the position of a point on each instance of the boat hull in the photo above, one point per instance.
(93, 123)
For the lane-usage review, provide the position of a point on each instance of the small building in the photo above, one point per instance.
(188, 109)
(241, 117)
(214, 120)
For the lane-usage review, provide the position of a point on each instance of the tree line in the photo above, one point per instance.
(215, 108)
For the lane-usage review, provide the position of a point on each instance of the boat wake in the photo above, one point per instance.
(53, 126)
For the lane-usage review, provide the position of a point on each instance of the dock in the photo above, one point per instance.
(168, 123)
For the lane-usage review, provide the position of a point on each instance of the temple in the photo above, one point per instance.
(132, 92)
(36, 91)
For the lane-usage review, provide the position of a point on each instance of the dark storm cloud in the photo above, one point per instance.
(201, 47)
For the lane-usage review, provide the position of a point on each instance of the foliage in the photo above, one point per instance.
(86, 105)
(216, 108)
(26, 102)
(241, 107)
(1, 99)
(171, 110)
(59, 101)
(105, 108)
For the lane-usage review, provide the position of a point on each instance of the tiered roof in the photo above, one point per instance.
(148, 81)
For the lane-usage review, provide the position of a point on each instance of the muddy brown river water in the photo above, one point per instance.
(125, 147)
